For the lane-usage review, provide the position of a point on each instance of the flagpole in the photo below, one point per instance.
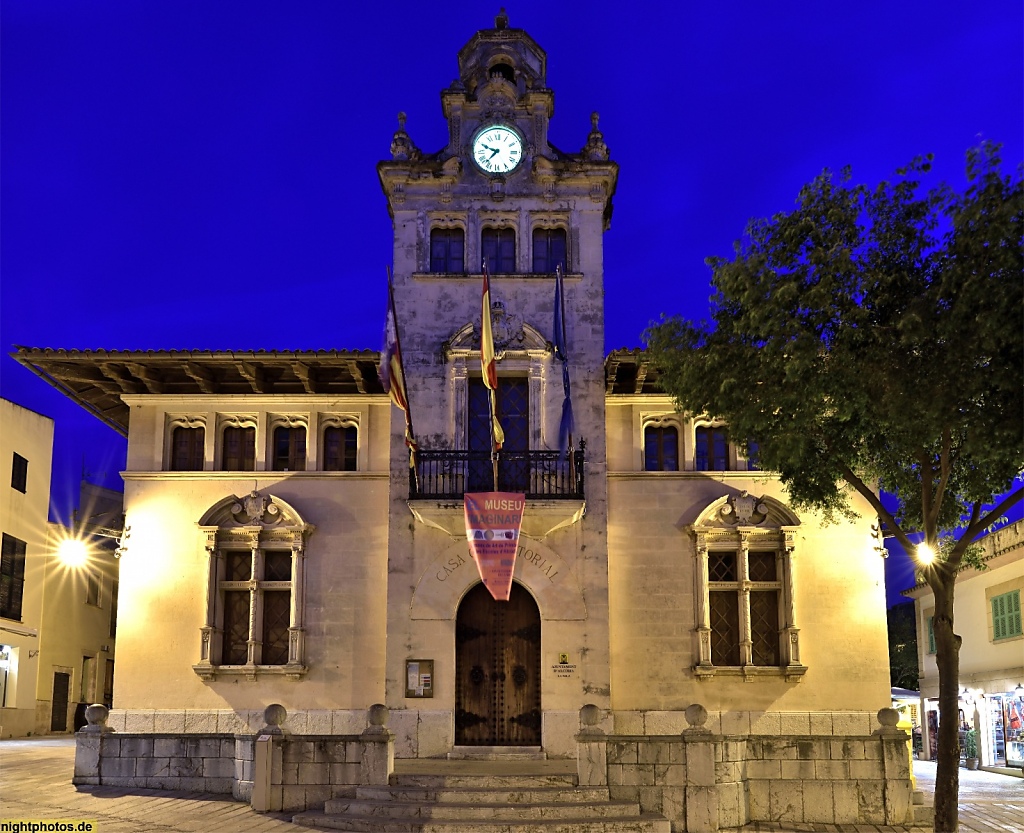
(410, 433)
(561, 298)
(487, 344)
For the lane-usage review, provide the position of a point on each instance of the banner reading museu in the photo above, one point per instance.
(493, 520)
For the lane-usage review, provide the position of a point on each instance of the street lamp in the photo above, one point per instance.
(73, 552)
(925, 553)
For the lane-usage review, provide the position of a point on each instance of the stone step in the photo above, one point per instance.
(483, 780)
(365, 824)
(497, 753)
(486, 795)
(466, 810)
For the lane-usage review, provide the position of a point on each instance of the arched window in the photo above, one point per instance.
(711, 448)
(447, 250)
(499, 250)
(549, 250)
(661, 447)
(255, 595)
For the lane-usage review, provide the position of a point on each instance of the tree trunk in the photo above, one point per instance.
(947, 658)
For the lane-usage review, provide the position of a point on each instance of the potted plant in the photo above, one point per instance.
(971, 748)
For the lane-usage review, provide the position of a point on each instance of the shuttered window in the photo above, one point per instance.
(1006, 621)
(12, 576)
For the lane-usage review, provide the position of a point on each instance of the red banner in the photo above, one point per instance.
(493, 520)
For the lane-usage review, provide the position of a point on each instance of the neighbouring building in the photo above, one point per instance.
(57, 619)
(283, 551)
(987, 615)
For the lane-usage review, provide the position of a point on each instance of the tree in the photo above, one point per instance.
(900, 623)
(873, 338)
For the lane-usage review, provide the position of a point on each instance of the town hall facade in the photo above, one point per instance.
(281, 549)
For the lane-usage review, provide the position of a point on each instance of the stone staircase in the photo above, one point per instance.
(483, 797)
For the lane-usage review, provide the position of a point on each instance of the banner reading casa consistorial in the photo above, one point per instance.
(493, 520)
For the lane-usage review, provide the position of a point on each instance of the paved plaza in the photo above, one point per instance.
(35, 783)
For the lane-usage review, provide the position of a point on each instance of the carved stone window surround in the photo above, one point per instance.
(661, 419)
(185, 420)
(293, 420)
(329, 420)
(248, 420)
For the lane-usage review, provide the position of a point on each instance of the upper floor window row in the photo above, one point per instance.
(712, 450)
(498, 249)
(287, 452)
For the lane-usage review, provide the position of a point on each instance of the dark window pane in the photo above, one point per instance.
(276, 613)
(513, 411)
(19, 473)
(235, 649)
(499, 250)
(340, 448)
(239, 449)
(12, 576)
(722, 566)
(113, 611)
(712, 449)
(289, 449)
(725, 627)
(661, 448)
(753, 456)
(277, 566)
(237, 565)
(762, 566)
(548, 250)
(187, 449)
(446, 250)
(764, 627)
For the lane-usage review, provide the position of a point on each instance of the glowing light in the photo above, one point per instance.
(73, 552)
(925, 553)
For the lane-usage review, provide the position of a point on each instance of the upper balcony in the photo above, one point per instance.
(540, 475)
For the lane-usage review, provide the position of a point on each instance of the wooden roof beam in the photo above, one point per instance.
(307, 375)
(254, 375)
(357, 376)
(201, 376)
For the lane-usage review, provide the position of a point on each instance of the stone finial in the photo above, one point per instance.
(888, 718)
(377, 716)
(96, 715)
(696, 717)
(595, 149)
(590, 716)
(501, 20)
(402, 147)
(274, 716)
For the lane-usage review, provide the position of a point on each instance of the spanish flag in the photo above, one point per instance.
(392, 373)
(488, 364)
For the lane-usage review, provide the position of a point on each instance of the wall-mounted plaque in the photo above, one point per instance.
(419, 678)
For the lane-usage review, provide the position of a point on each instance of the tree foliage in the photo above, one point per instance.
(873, 338)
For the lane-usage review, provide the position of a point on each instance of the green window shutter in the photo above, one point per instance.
(1006, 620)
(931, 636)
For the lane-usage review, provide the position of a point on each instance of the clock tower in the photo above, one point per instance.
(502, 674)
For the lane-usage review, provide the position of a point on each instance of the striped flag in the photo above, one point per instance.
(488, 363)
(392, 372)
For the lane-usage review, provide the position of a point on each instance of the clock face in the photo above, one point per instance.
(497, 149)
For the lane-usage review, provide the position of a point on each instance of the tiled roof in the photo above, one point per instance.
(96, 379)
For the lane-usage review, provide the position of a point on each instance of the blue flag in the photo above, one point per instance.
(565, 427)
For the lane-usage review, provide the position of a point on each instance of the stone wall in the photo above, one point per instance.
(703, 781)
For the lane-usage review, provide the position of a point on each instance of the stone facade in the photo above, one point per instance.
(648, 591)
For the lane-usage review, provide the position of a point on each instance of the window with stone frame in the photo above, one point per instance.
(289, 448)
(549, 250)
(447, 251)
(255, 589)
(661, 447)
(745, 607)
(498, 248)
(340, 447)
(12, 576)
(238, 448)
(711, 448)
(188, 448)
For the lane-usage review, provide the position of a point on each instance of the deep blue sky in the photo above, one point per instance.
(190, 174)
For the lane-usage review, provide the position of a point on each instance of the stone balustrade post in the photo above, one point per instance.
(701, 792)
(89, 746)
(377, 761)
(591, 749)
(896, 768)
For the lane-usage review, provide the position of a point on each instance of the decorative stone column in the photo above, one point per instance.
(701, 792)
(377, 761)
(89, 746)
(896, 768)
(591, 749)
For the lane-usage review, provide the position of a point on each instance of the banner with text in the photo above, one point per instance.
(493, 520)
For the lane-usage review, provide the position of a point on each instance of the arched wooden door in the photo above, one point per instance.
(497, 670)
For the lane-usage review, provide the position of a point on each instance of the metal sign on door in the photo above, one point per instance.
(497, 670)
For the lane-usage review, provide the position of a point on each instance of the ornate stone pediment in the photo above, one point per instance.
(511, 334)
(254, 509)
(743, 509)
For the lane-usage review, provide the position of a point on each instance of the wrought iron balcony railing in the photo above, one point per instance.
(541, 475)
